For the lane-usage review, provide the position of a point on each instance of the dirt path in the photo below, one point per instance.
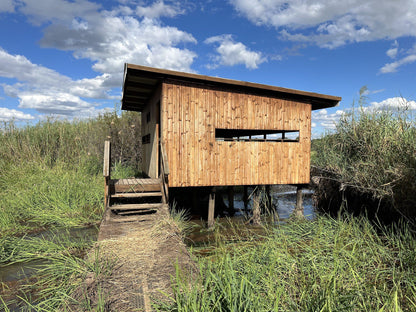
(147, 248)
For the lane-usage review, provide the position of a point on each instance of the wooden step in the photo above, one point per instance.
(134, 185)
(136, 195)
(136, 206)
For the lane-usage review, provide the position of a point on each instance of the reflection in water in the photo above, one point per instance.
(18, 271)
(283, 200)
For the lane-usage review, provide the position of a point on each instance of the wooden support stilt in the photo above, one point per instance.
(299, 205)
(231, 199)
(245, 197)
(211, 208)
(269, 201)
(256, 207)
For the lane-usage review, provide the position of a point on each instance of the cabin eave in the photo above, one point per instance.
(140, 83)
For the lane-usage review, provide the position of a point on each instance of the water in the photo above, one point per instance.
(18, 271)
(284, 199)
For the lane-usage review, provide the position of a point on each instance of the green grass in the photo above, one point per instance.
(51, 178)
(51, 172)
(328, 264)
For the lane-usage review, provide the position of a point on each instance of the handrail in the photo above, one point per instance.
(164, 159)
(107, 159)
(106, 172)
(164, 172)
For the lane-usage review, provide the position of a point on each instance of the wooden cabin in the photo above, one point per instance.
(220, 132)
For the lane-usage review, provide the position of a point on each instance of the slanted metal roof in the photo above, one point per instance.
(140, 82)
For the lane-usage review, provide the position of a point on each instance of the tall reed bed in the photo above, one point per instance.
(51, 171)
(342, 264)
(51, 178)
(374, 150)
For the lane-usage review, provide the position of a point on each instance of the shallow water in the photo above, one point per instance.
(18, 271)
(284, 200)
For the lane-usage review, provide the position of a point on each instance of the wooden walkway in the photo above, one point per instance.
(146, 248)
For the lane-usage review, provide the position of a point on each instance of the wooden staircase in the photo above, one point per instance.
(132, 196)
(135, 195)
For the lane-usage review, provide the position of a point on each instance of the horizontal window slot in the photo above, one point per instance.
(243, 135)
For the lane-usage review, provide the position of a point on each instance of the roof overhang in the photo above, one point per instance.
(140, 83)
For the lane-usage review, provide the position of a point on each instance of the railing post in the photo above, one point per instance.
(106, 172)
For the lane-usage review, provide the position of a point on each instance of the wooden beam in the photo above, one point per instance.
(211, 208)
(256, 207)
(299, 202)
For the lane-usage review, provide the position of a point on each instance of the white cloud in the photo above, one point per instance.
(46, 90)
(7, 114)
(326, 120)
(394, 103)
(109, 38)
(7, 6)
(392, 67)
(232, 53)
(392, 52)
(330, 23)
(159, 9)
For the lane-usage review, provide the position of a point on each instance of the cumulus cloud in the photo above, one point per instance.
(7, 114)
(394, 103)
(159, 9)
(46, 90)
(232, 53)
(321, 118)
(329, 23)
(108, 38)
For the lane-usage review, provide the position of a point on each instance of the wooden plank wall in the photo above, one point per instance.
(150, 155)
(190, 115)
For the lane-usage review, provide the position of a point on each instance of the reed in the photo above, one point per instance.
(342, 264)
(373, 151)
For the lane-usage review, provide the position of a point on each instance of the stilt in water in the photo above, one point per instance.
(299, 202)
(256, 207)
(245, 197)
(211, 208)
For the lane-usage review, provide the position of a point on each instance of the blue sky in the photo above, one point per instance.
(65, 58)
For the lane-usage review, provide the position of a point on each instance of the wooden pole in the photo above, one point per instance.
(269, 202)
(245, 197)
(299, 205)
(107, 172)
(211, 208)
(256, 207)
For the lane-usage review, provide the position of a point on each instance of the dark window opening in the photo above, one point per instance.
(146, 139)
(148, 117)
(256, 135)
